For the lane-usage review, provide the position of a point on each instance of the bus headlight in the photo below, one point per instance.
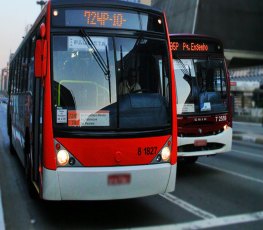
(166, 153)
(62, 157)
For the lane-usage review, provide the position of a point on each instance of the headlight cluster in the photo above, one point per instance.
(165, 153)
(64, 158)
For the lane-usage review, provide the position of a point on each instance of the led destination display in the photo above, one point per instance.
(96, 18)
(195, 46)
(107, 18)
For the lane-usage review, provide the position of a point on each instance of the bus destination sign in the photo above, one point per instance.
(194, 46)
(105, 18)
(102, 19)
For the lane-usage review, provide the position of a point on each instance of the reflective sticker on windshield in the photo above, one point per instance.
(88, 118)
(61, 116)
(206, 106)
(185, 108)
(78, 43)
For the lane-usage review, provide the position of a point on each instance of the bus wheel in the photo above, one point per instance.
(28, 171)
(190, 160)
(11, 148)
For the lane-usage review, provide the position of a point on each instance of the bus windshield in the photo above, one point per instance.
(201, 86)
(110, 83)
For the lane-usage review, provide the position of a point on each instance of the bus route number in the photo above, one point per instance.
(221, 118)
(148, 151)
(102, 18)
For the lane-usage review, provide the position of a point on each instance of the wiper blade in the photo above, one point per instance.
(105, 67)
(184, 69)
(96, 54)
(139, 39)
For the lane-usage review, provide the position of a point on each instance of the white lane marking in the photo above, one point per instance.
(2, 223)
(247, 154)
(187, 206)
(209, 223)
(232, 173)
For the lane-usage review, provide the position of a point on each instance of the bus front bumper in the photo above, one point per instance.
(224, 140)
(107, 183)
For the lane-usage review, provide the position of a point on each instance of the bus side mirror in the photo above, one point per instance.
(41, 58)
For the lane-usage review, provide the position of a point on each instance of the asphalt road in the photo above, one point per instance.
(248, 128)
(220, 192)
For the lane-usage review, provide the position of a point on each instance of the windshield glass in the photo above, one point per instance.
(110, 83)
(201, 86)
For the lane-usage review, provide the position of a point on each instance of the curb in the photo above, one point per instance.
(248, 138)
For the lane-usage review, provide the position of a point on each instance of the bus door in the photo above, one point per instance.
(36, 121)
(38, 127)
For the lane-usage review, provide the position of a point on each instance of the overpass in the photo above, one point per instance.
(238, 23)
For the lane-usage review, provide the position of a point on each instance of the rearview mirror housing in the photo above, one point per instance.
(40, 66)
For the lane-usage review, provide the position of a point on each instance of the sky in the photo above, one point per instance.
(15, 15)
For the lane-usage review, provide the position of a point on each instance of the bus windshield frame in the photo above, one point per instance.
(87, 81)
(202, 85)
(201, 75)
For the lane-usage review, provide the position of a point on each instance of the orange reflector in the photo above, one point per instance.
(57, 146)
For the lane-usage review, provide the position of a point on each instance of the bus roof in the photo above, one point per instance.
(119, 3)
(113, 3)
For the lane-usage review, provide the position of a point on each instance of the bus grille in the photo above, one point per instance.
(210, 133)
(192, 148)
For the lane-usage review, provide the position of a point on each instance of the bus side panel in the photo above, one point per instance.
(18, 125)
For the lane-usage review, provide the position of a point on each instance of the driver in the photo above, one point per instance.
(130, 85)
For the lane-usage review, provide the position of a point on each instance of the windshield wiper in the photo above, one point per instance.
(139, 39)
(96, 54)
(184, 69)
(99, 59)
(108, 72)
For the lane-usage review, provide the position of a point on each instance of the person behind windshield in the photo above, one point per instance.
(130, 85)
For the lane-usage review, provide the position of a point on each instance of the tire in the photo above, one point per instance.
(11, 146)
(190, 160)
(28, 171)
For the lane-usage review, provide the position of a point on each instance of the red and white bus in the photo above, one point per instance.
(77, 135)
(203, 96)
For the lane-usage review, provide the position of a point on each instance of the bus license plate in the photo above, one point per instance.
(119, 179)
(199, 143)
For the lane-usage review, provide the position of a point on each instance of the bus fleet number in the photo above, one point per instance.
(147, 151)
(221, 118)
